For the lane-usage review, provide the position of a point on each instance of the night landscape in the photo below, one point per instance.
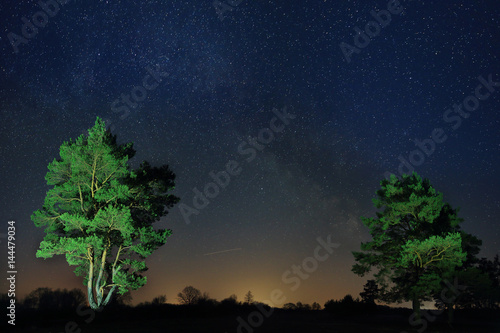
(238, 166)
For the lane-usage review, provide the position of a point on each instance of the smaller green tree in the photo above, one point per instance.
(416, 241)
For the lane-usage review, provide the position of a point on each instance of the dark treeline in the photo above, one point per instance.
(479, 289)
(45, 308)
(474, 297)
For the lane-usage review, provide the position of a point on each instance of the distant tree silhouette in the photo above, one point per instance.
(189, 295)
(230, 303)
(299, 306)
(370, 292)
(205, 301)
(158, 300)
(347, 305)
(302, 306)
(492, 269)
(59, 300)
(348, 299)
(249, 297)
(232, 298)
(315, 306)
(32, 300)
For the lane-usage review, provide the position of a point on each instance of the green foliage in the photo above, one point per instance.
(99, 213)
(416, 240)
(442, 252)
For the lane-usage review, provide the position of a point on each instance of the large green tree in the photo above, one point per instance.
(99, 213)
(416, 241)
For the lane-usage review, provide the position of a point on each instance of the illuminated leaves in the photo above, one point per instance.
(441, 252)
(409, 198)
(150, 240)
(415, 239)
(99, 213)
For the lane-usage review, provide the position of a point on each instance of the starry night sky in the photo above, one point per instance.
(218, 82)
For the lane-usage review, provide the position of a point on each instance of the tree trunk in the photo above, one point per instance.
(416, 307)
(96, 288)
(95, 293)
(90, 292)
(108, 297)
(101, 302)
(450, 313)
(90, 295)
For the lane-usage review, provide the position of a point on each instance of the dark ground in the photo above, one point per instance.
(172, 319)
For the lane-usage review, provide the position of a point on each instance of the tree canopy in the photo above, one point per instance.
(416, 240)
(99, 212)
